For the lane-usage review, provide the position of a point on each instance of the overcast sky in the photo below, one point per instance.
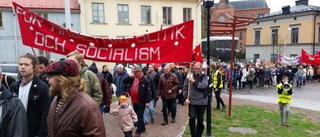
(276, 5)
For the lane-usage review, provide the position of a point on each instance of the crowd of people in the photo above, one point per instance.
(70, 98)
(264, 76)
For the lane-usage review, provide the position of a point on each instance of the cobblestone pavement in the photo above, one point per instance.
(304, 100)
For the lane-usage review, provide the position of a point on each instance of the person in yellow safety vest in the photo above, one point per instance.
(217, 86)
(284, 90)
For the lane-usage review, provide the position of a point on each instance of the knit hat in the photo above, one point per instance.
(93, 68)
(63, 67)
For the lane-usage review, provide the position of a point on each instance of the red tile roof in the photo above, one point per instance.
(41, 4)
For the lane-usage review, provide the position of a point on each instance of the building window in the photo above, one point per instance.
(97, 13)
(45, 54)
(260, 14)
(167, 18)
(294, 35)
(240, 37)
(186, 14)
(123, 14)
(257, 38)
(240, 45)
(43, 15)
(255, 57)
(145, 14)
(1, 24)
(274, 37)
(221, 19)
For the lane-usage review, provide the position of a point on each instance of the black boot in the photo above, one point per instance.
(164, 123)
(173, 120)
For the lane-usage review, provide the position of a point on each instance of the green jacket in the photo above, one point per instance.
(93, 84)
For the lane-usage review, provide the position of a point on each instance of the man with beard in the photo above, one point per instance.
(43, 63)
(73, 112)
(34, 96)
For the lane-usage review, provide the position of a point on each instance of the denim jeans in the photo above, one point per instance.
(299, 80)
(151, 111)
(102, 108)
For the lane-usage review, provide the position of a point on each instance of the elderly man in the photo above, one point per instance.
(120, 75)
(73, 112)
(167, 88)
(197, 99)
(140, 92)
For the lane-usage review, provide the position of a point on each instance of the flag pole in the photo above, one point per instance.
(34, 53)
(188, 97)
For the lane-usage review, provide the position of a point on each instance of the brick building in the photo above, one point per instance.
(244, 8)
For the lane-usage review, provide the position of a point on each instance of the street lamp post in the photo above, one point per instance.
(208, 4)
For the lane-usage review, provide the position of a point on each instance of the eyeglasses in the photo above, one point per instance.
(197, 68)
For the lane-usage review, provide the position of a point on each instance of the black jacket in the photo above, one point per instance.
(13, 120)
(38, 107)
(107, 76)
(144, 89)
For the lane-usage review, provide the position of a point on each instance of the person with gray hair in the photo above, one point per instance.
(196, 94)
(167, 88)
(120, 75)
(140, 91)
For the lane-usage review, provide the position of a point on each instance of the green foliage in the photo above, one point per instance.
(240, 55)
(265, 122)
(114, 99)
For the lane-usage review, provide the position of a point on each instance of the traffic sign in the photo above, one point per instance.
(242, 24)
(221, 31)
(221, 24)
(245, 19)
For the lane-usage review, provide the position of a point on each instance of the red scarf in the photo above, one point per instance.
(134, 90)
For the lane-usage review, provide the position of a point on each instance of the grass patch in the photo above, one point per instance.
(265, 122)
(114, 99)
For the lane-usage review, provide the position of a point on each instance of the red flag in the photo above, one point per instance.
(197, 54)
(172, 44)
(310, 59)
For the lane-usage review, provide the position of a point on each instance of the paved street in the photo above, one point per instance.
(306, 97)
